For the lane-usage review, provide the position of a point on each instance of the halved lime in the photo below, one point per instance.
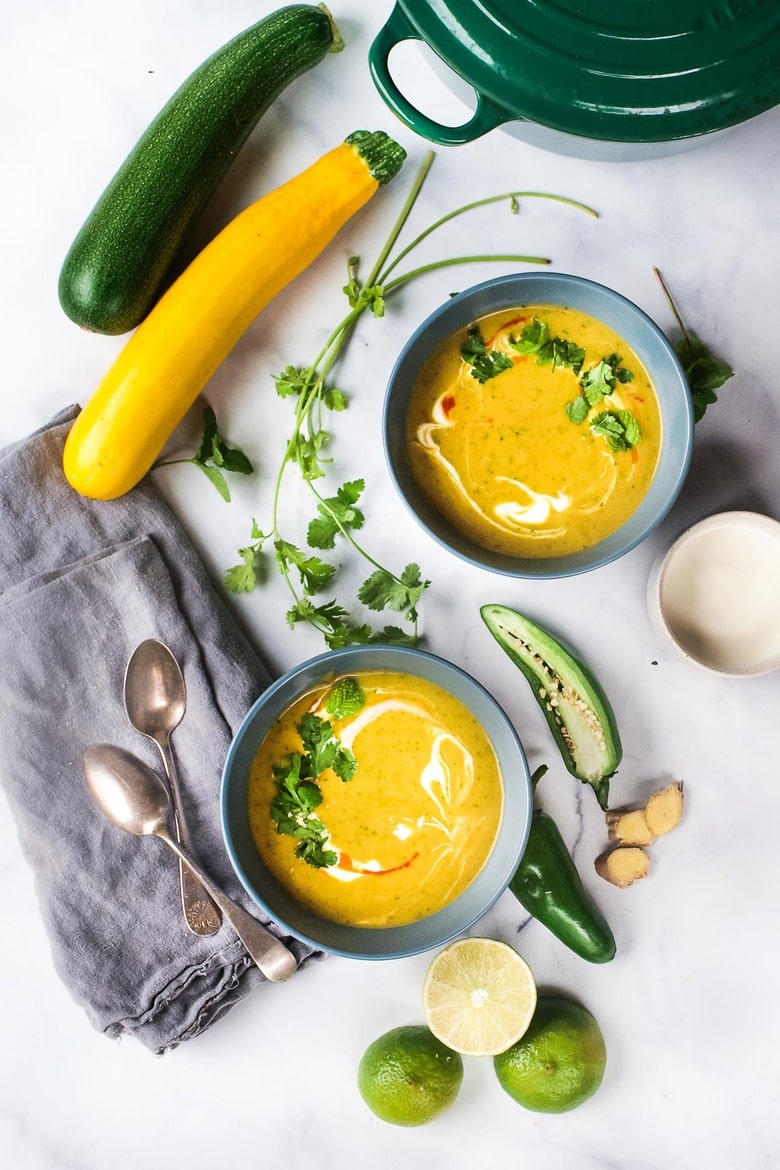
(479, 996)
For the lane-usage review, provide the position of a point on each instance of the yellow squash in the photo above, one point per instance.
(191, 330)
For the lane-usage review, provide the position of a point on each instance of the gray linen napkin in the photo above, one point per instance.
(81, 584)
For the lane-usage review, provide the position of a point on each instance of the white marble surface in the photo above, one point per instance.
(689, 1007)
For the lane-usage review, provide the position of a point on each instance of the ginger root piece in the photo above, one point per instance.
(640, 826)
(629, 827)
(664, 809)
(623, 865)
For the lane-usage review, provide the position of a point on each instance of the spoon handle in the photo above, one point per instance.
(269, 953)
(200, 912)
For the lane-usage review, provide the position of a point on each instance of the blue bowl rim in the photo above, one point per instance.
(516, 568)
(402, 654)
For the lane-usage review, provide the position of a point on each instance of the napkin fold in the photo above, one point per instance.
(82, 582)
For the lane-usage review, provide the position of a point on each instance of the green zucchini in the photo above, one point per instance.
(119, 262)
(575, 706)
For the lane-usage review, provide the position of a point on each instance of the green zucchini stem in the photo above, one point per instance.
(338, 40)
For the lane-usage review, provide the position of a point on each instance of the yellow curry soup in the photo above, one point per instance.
(415, 824)
(503, 461)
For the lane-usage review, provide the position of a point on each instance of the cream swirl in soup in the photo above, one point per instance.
(411, 828)
(536, 433)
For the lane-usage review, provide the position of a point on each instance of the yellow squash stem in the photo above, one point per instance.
(173, 353)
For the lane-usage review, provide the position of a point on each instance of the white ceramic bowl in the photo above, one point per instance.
(716, 594)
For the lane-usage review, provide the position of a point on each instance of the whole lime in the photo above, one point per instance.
(559, 1062)
(409, 1077)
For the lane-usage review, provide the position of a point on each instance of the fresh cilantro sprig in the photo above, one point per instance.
(535, 340)
(600, 380)
(298, 791)
(704, 373)
(596, 384)
(620, 428)
(337, 516)
(214, 456)
(485, 363)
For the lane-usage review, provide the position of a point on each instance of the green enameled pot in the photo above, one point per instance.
(636, 79)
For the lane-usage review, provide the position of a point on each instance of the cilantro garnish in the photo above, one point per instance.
(298, 792)
(619, 427)
(601, 379)
(336, 514)
(704, 373)
(382, 590)
(535, 340)
(214, 456)
(243, 577)
(485, 363)
(311, 392)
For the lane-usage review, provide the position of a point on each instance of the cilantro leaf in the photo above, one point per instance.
(531, 338)
(563, 353)
(315, 573)
(298, 792)
(346, 698)
(393, 636)
(705, 374)
(292, 381)
(334, 399)
(383, 590)
(535, 341)
(313, 852)
(242, 578)
(484, 363)
(336, 513)
(292, 811)
(599, 381)
(374, 299)
(352, 288)
(619, 427)
(577, 411)
(305, 451)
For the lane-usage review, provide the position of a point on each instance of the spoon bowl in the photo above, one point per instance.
(125, 790)
(155, 695)
(133, 798)
(155, 702)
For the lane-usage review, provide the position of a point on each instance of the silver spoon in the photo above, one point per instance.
(134, 798)
(155, 701)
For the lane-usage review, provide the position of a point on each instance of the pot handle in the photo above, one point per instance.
(486, 116)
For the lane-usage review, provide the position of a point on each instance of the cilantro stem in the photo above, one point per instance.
(348, 535)
(673, 307)
(481, 203)
(309, 385)
(399, 224)
(415, 272)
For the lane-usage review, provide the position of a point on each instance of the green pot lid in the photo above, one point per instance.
(619, 70)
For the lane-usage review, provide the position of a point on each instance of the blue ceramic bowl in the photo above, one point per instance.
(644, 337)
(384, 942)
